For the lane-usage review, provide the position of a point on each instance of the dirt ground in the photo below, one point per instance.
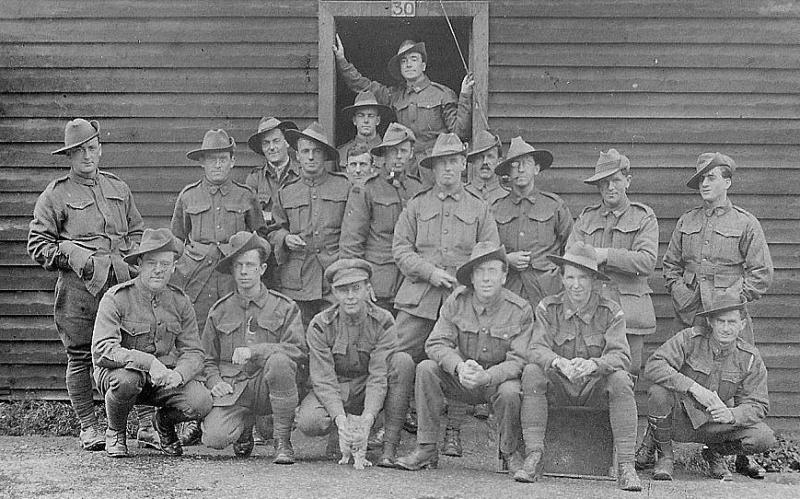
(44, 467)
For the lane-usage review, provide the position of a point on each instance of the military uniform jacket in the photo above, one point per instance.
(267, 324)
(596, 332)
(722, 247)
(343, 351)
(76, 219)
(312, 208)
(427, 108)
(736, 373)
(631, 235)
(355, 142)
(437, 230)
(496, 335)
(490, 191)
(539, 223)
(265, 182)
(135, 326)
(368, 228)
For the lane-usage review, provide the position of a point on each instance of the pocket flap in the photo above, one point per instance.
(541, 215)
(466, 217)
(79, 204)
(236, 207)
(595, 340)
(505, 217)
(691, 227)
(699, 365)
(627, 225)
(135, 328)
(338, 195)
(504, 332)
(174, 328)
(732, 376)
(228, 327)
(727, 231)
(270, 323)
(295, 202)
(465, 325)
(198, 207)
(563, 337)
(426, 215)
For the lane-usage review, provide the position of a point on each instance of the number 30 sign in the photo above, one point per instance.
(404, 9)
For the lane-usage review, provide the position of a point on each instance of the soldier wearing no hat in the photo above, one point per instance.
(532, 223)
(83, 224)
(624, 234)
(714, 247)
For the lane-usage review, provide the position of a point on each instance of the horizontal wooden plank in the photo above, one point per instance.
(188, 80)
(16, 228)
(643, 9)
(20, 329)
(644, 55)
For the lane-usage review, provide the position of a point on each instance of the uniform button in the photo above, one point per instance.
(314, 196)
(159, 322)
(444, 250)
(316, 232)
(210, 263)
(521, 233)
(447, 214)
(219, 208)
(444, 231)
(505, 336)
(485, 349)
(484, 330)
(318, 251)
(706, 242)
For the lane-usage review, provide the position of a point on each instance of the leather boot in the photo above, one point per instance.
(116, 444)
(531, 469)
(147, 436)
(92, 439)
(747, 466)
(717, 465)
(424, 456)
(332, 446)
(284, 452)
(164, 423)
(388, 455)
(511, 463)
(662, 436)
(452, 443)
(646, 453)
(190, 433)
(282, 423)
(244, 446)
(627, 479)
(410, 424)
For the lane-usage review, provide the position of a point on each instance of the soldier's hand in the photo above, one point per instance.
(242, 355)
(565, 366)
(519, 260)
(441, 279)
(88, 269)
(722, 414)
(584, 367)
(159, 374)
(468, 83)
(174, 379)
(221, 389)
(294, 242)
(705, 396)
(338, 48)
(602, 255)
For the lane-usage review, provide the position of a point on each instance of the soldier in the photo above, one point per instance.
(354, 366)
(280, 167)
(477, 315)
(207, 213)
(254, 342)
(532, 223)
(579, 356)
(483, 158)
(709, 386)
(625, 238)
(146, 349)
(427, 108)
(308, 219)
(358, 165)
(367, 115)
(372, 212)
(715, 246)
(83, 224)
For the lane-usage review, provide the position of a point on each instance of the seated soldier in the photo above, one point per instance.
(254, 343)
(353, 366)
(696, 375)
(579, 356)
(146, 349)
(358, 164)
(476, 353)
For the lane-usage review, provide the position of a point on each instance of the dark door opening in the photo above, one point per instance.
(370, 42)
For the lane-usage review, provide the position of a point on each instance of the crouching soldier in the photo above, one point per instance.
(476, 353)
(146, 349)
(579, 356)
(353, 365)
(696, 375)
(254, 342)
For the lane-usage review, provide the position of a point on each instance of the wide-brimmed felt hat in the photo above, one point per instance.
(156, 240)
(213, 141)
(483, 141)
(723, 301)
(447, 144)
(77, 132)
(482, 252)
(242, 242)
(706, 162)
(364, 99)
(608, 164)
(348, 271)
(266, 125)
(520, 148)
(580, 255)
(405, 48)
(314, 132)
(395, 134)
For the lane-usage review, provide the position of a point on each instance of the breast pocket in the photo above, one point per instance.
(592, 233)
(697, 369)
(727, 244)
(196, 212)
(385, 212)
(165, 343)
(137, 336)
(265, 330)
(468, 337)
(690, 239)
(466, 228)
(624, 233)
(507, 228)
(227, 337)
(234, 216)
(429, 229)
(332, 212)
(297, 212)
(83, 217)
(429, 115)
(539, 230)
(594, 345)
(501, 338)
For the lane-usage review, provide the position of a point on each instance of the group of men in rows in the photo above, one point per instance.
(353, 296)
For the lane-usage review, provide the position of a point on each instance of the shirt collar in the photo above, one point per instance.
(457, 194)
(91, 182)
(531, 196)
(260, 300)
(274, 171)
(489, 185)
(618, 211)
(224, 187)
(586, 313)
(719, 210)
(419, 86)
(145, 291)
(315, 181)
(488, 308)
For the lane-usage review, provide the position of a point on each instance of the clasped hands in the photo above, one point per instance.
(240, 356)
(720, 413)
(164, 377)
(472, 375)
(576, 368)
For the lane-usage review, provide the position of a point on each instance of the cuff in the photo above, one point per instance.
(140, 361)
(449, 363)
(495, 375)
(77, 255)
(683, 384)
(546, 360)
(738, 415)
(182, 370)
(212, 381)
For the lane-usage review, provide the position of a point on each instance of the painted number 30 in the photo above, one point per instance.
(404, 9)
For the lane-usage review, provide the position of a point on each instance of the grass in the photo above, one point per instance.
(48, 418)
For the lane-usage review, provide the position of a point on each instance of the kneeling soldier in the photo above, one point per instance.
(353, 364)
(146, 349)
(695, 375)
(476, 353)
(579, 356)
(253, 342)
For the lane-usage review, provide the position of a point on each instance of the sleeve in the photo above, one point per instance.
(516, 358)
(540, 350)
(43, 236)
(641, 258)
(442, 344)
(181, 225)
(187, 344)
(254, 217)
(377, 381)
(751, 401)
(575, 232)
(662, 368)
(107, 349)
(487, 226)
(758, 262)
(564, 224)
(355, 226)
(292, 341)
(135, 222)
(322, 372)
(673, 262)
(410, 263)
(616, 354)
(211, 361)
(280, 229)
(457, 113)
(356, 82)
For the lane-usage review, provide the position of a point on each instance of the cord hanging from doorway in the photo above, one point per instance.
(464, 63)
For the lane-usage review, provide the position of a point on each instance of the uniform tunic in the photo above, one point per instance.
(720, 248)
(540, 223)
(266, 181)
(357, 141)
(631, 235)
(490, 191)
(368, 227)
